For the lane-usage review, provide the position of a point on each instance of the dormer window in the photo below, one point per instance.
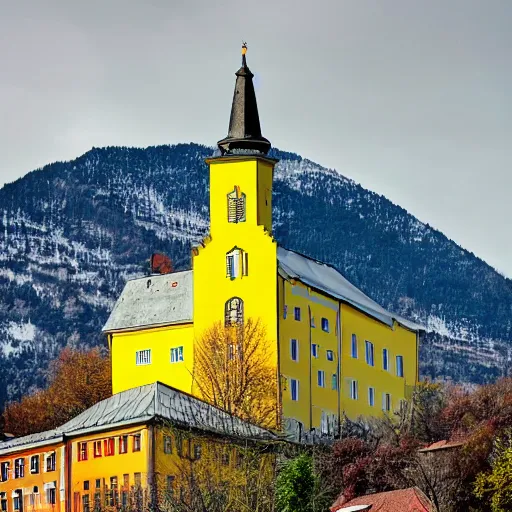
(237, 263)
(236, 205)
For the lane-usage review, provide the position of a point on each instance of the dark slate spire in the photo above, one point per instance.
(244, 135)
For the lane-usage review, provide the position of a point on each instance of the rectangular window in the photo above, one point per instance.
(334, 382)
(330, 355)
(294, 389)
(170, 484)
(51, 462)
(403, 406)
(386, 402)
(371, 396)
(400, 366)
(314, 350)
(296, 313)
(51, 496)
(126, 481)
(19, 468)
(294, 350)
(123, 444)
(285, 311)
(4, 471)
(354, 346)
(385, 359)
(136, 442)
(225, 458)
(137, 479)
(143, 357)
(325, 325)
(369, 353)
(230, 266)
(16, 503)
(109, 447)
(197, 451)
(97, 449)
(3, 505)
(82, 451)
(167, 444)
(320, 378)
(34, 464)
(353, 390)
(86, 485)
(98, 483)
(176, 355)
(85, 503)
(313, 322)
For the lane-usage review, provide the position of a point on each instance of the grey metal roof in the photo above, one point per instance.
(327, 279)
(157, 400)
(140, 405)
(154, 300)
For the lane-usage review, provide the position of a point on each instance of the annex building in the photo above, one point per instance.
(335, 351)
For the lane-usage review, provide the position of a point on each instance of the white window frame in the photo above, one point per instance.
(385, 359)
(371, 396)
(296, 342)
(354, 349)
(237, 263)
(400, 366)
(176, 355)
(296, 382)
(354, 389)
(143, 357)
(369, 353)
(320, 378)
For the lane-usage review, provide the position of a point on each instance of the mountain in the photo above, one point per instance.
(73, 232)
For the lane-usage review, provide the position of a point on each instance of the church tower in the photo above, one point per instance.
(235, 269)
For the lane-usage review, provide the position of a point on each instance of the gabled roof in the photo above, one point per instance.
(327, 279)
(403, 500)
(153, 301)
(141, 405)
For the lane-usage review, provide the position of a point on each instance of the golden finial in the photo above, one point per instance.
(244, 47)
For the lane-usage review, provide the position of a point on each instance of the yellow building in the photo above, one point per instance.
(335, 351)
(127, 451)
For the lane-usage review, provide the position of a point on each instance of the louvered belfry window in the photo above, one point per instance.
(236, 206)
(234, 312)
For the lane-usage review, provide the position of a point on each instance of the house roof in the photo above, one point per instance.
(152, 301)
(327, 279)
(403, 500)
(441, 445)
(140, 405)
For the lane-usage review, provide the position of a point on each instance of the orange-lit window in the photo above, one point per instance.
(97, 448)
(109, 446)
(123, 444)
(82, 451)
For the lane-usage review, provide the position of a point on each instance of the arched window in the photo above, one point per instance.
(236, 205)
(234, 312)
(237, 263)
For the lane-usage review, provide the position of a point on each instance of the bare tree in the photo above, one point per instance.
(233, 370)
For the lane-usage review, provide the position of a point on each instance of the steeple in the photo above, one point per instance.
(244, 134)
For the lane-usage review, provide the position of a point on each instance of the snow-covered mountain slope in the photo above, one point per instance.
(72, 233)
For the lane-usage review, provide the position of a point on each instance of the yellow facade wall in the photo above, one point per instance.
(397, 340)
(34, 485)
(93, 477)
(126, 374)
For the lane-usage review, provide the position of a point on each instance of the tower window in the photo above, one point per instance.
(237, 263)
(330, 355)
(296, 313)
(354, 346)
(314, 350)
(334, 382)
(294, 389)
(385, 359)
(321, 379)
(234, 312)
(325, 325)
(236, 206)
(294, 350)
(400, 366)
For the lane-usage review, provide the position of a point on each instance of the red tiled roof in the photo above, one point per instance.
(403, 500)
(441, 445)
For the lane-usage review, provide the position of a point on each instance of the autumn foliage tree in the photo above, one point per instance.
(78, 380)
(233, 371)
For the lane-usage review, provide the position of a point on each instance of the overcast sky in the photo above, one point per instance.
(413, 99)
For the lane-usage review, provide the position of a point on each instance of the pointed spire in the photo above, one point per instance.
(244, 134)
